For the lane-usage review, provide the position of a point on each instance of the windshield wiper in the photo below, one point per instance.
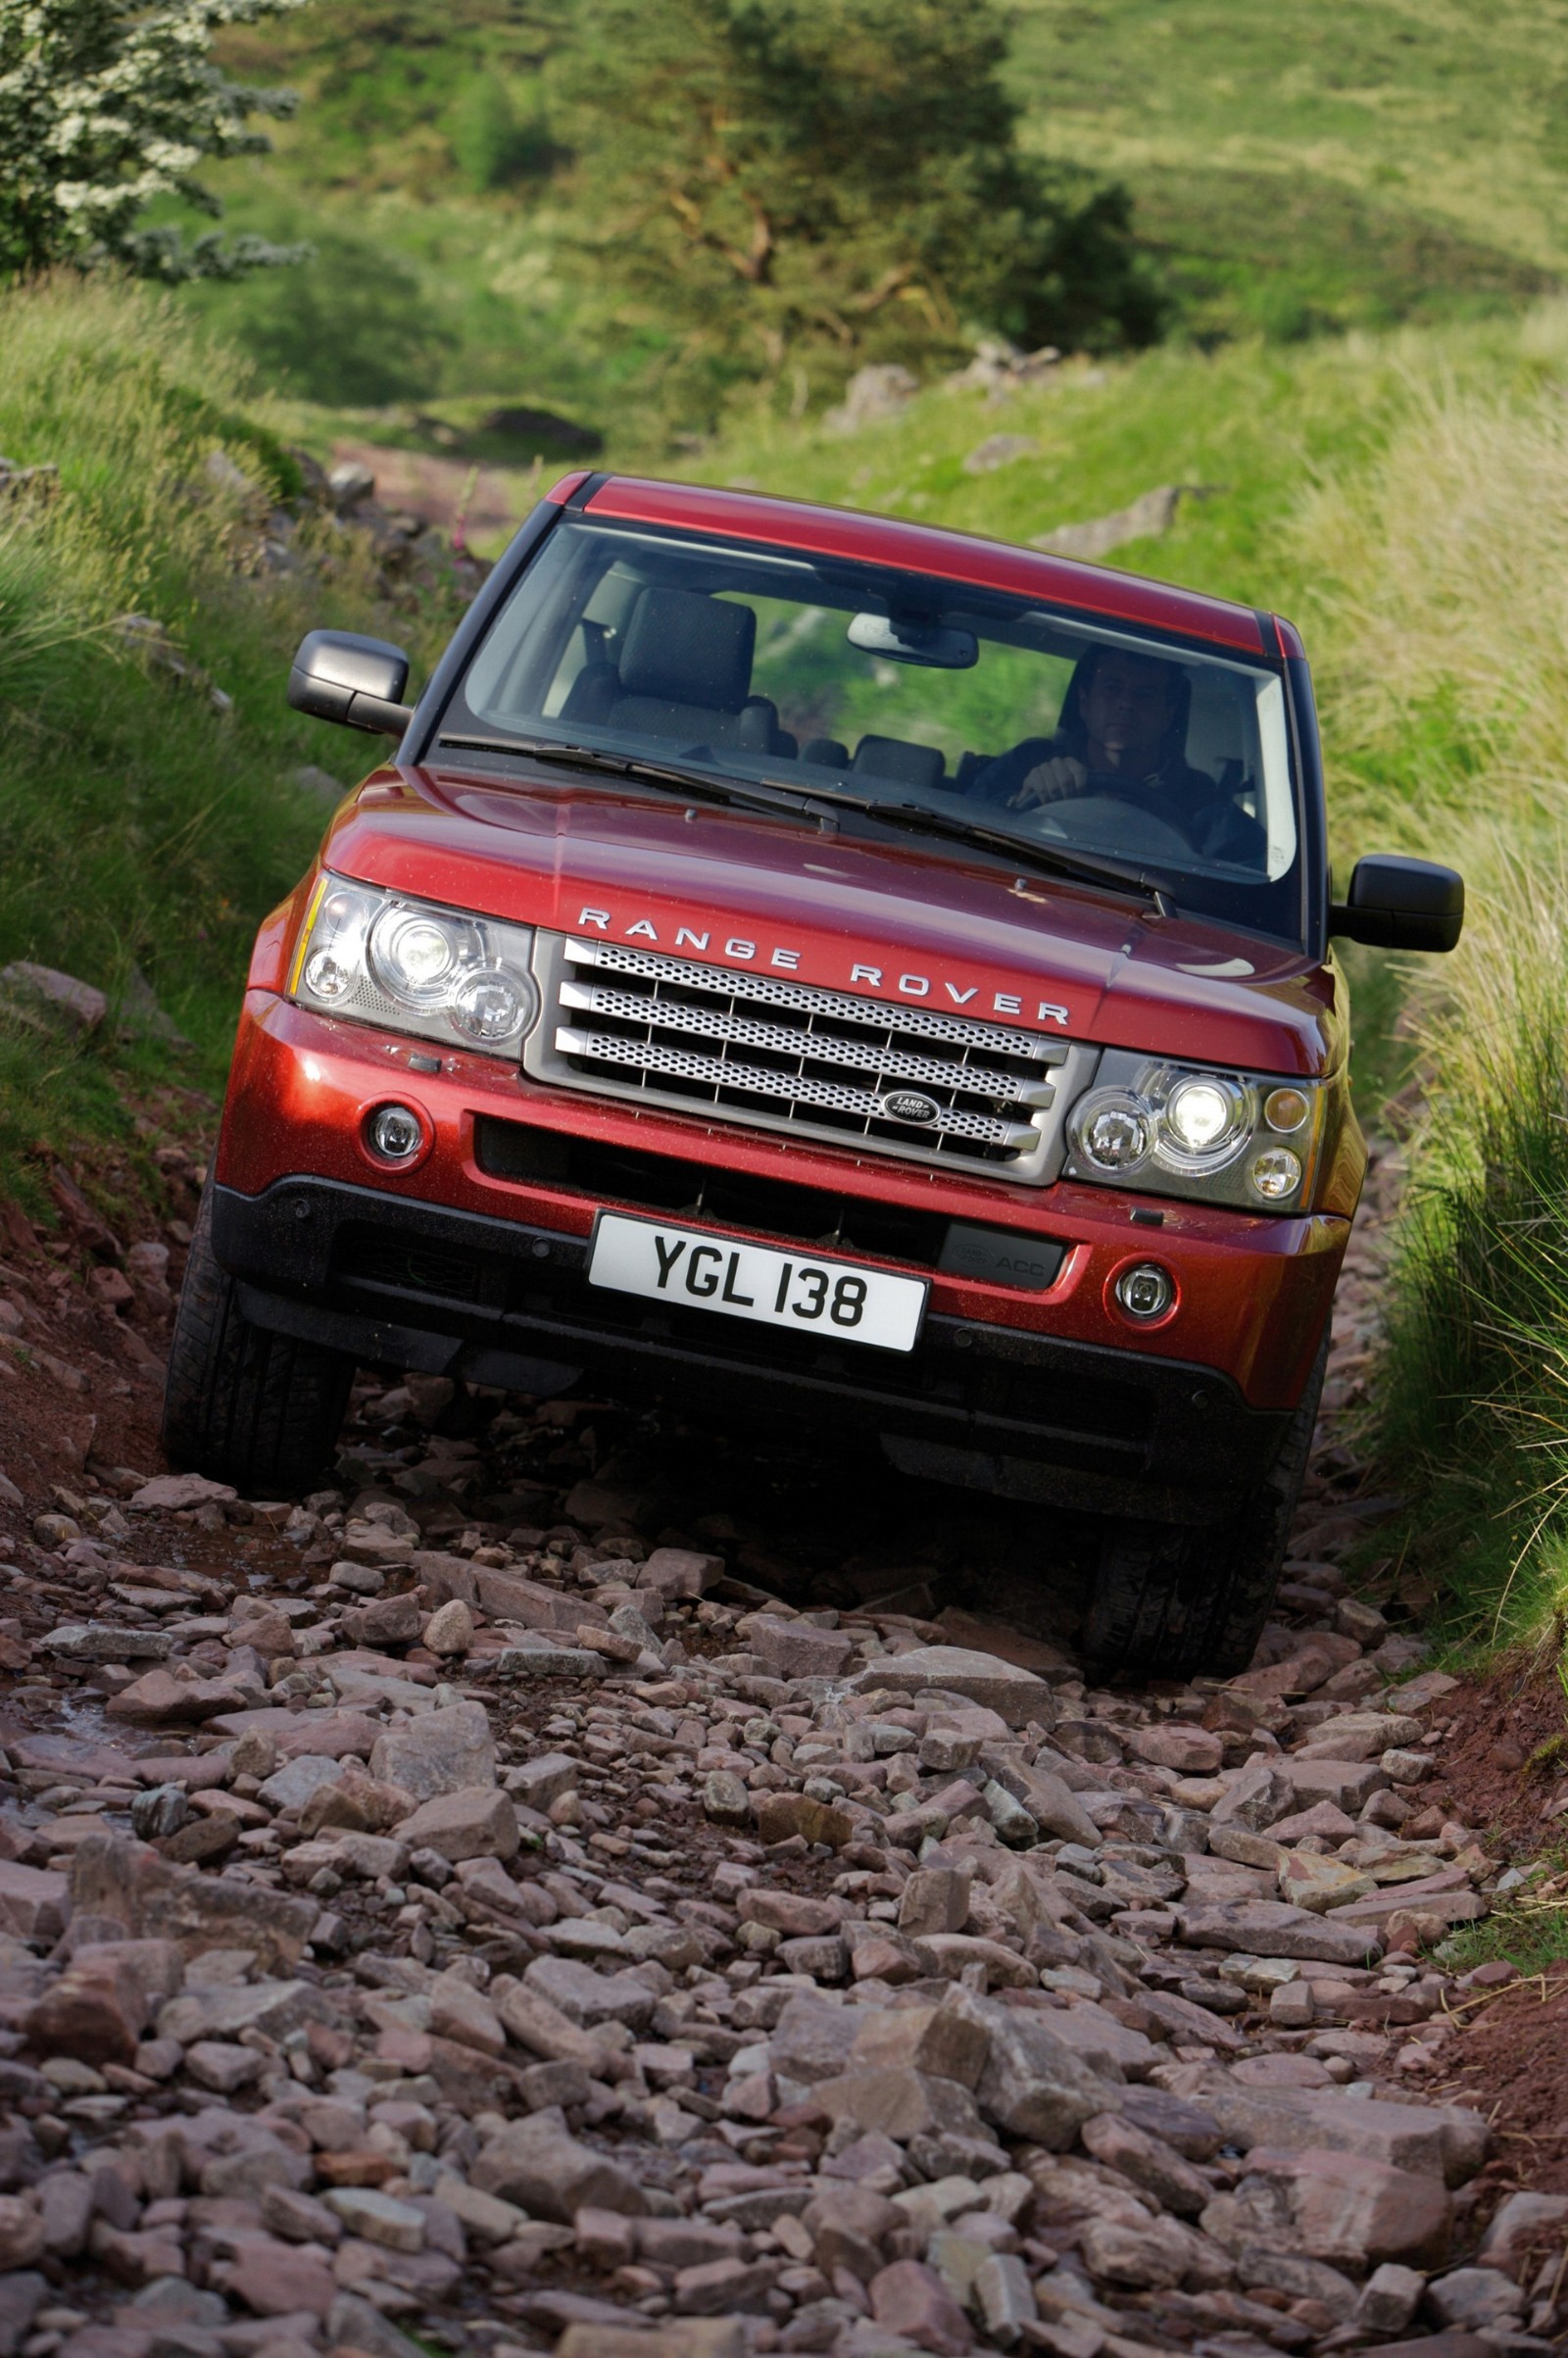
(1106, 875)
(700, 782)
(820, 801)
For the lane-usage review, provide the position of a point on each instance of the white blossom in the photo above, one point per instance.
(106, 105)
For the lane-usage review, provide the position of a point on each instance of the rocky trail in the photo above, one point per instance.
(575, 1886)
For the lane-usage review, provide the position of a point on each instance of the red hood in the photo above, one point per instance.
(933, 929)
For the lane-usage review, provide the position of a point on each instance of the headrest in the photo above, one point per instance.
(687, 649)
(897, 758)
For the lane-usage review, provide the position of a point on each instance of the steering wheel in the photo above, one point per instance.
(1107, 822)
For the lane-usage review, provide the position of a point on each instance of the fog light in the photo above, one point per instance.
(1285, 1108)
(1276, 1173)
(1145, 1292)
(395, 1133)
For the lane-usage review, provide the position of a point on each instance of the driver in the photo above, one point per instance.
(1123, 733)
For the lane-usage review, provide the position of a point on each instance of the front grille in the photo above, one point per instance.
(385, 1257)
(779, 1054)
(764, 1206)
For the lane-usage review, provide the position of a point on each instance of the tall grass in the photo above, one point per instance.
(1444, 616)
(143, 828)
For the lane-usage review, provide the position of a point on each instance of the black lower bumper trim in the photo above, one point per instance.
(401, 1284)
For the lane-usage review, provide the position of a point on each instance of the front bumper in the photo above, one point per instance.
(406, 1284)
(471, 1263)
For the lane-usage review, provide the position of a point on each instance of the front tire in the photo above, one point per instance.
(241, 1404)
(1171, 1601)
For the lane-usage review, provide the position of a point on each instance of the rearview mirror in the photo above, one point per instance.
(909, 639)
(337, 675)
(1398, 904)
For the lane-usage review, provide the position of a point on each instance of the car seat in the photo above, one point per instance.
(899, 758)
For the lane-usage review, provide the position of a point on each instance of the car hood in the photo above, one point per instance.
(911, 922)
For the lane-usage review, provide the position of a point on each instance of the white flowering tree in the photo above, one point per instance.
(106, 105)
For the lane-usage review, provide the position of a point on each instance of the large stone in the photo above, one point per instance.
(298, 1781)
(1176, 1743)
(110, 1642)
(792, 1913)
(726, 1799)
(33, 1902)
(1478, 2299)
(1151, 2254)
(530, 1605)
(1149, 2162)
(477, 1821)
(795, 1649)
(102, 2003)
(900, 2104)
(1348, 1783)
(224, 2009)
(1256, 1798)
(538, 1781)
(1360, 1736)
(538, 2024)
(934, 1899)
(1354, 2212)
(171, 1493)
(1524, 2228)
(159, 1699)
(1049, 1799)
(1017, 1696)
(780, 1817)
(1034, 2084)
(1320, 1885)
(1446, 1896)
(128, 1882)
(911, 2301)
(679, 1572)
(277, 2278)
(549, 2174)
(1443, 2141)
(440, 1753)
(942, 2042)
(461, 2012)
(813, 2039)
(588, 1998)
(1268, 1928)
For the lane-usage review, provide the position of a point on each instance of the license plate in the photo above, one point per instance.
(735, 1279)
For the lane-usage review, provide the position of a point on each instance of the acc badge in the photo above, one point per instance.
(908, 1105)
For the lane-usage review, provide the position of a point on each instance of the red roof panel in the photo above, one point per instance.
(925, 548)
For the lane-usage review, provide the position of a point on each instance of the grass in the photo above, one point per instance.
(1357, 165)
(146, 830)
(1527, 1927)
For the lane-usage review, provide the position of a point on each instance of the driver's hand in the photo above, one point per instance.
(1051, 782)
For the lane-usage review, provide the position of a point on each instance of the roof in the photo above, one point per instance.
(995, 564)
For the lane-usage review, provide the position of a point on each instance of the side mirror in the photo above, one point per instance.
(337, 675)
(1397, 904)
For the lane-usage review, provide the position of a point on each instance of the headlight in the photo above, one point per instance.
(412, 968)
(1168, 1129)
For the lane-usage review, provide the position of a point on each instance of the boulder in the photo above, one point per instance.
(1017, 1696)
(537, 2165)
(442, 1752)
(477, 1821)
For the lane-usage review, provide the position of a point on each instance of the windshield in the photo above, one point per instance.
(1054, 732)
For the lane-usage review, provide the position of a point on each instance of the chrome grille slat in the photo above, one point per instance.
(727, 1045)
(756, 1080)
(777, 1039)
(772, 990)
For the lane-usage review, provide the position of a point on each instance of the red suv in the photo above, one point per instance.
(834, 971)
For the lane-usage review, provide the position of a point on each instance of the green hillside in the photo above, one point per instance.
(1347, 165)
